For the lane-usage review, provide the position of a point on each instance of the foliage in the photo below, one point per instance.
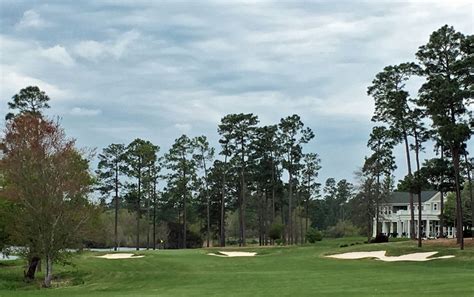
(449, 214)
(8, 211)
(380, 238)
(30, 100)
(48, 178)
(276, 231)
(176, 235)
(342, 229)
(313, 235)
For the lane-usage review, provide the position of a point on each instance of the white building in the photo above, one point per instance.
(395, 215)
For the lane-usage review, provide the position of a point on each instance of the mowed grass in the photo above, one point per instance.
(275, 271)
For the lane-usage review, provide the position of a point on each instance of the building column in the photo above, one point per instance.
(407, 225)
(399, 228)
(428, 233)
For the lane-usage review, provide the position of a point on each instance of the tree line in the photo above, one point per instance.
(200, 186)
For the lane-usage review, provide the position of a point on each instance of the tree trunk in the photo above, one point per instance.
(290, 215)
(265, 219)
(468, 164)
(377, 210)
(419, 219)
(260, 220)
(301, 217)
(222, 225)
(412, 210)
(241, 213)
(441, 204)
(154, 214)
(242, 201)
(32, 266)
(148, 223)
(370, 219)
(417, 157)
(459, 231)
(273, 191)
(138, 210)
(184, 211)
(49, 272)
(116, 208)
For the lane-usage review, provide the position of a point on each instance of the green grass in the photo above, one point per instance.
(276, 271)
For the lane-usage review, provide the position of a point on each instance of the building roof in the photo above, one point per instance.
(404, 197)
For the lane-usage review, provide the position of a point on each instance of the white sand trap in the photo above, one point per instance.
(120, 256)
(380, 255)
(233, 254)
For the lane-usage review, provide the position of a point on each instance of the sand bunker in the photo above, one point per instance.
(233, 254)
(380, 255)
(120, 256)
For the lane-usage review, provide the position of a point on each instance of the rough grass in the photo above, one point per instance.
(275, 271)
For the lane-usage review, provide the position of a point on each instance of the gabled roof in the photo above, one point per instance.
(404, 197)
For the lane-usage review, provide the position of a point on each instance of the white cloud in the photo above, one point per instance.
(95, 50)
(58, 54)
(11, 82)
(31, 19)
(166, 66)
(183, 127)
(80, 111)
(90, 49)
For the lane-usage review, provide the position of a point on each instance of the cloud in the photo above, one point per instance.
(183, 127)
(59, 55)
(95, 50)
(80, 111)
(11, 82)
(178, 69)
(31, 19)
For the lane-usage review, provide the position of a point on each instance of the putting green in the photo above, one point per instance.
(276, 271)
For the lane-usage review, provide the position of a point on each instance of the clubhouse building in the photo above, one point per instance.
(394, 216)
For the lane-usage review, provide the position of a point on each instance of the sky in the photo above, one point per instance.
(119, 70)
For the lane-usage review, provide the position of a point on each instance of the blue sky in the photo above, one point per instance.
(117, 70)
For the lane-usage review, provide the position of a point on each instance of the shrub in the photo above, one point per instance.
(276, 231)
(379, 238)
(175, 237)
(342, 229)
(232, 242)
(467, 233)
(313, 235)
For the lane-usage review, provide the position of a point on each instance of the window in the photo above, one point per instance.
(435, 206)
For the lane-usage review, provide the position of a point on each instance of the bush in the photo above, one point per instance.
(313, 235)
(276, 231)
(342, 229)
(379, 238)
(467, 233)
(175, 237)
(232, 242)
